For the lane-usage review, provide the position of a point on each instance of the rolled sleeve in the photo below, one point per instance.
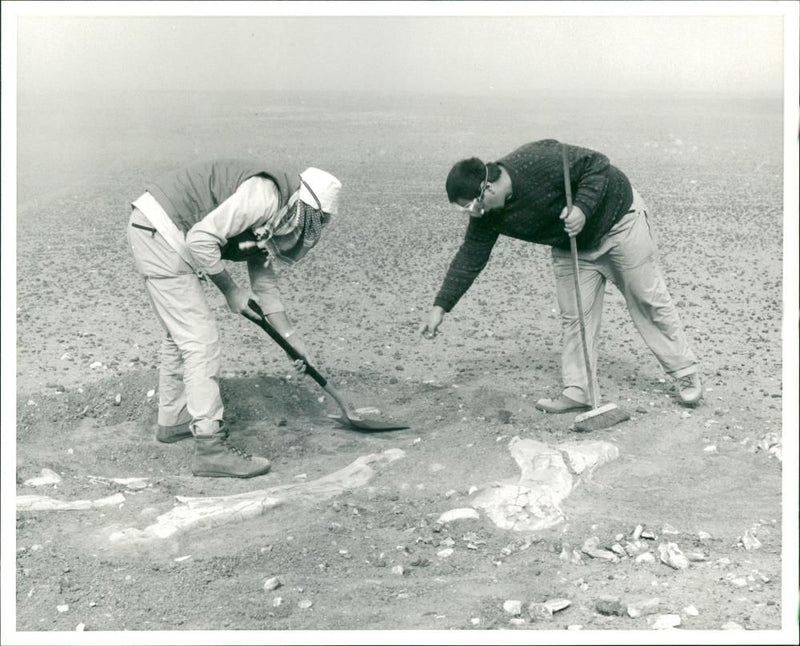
(256, 200)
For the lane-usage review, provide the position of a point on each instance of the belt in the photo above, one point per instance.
(158, 217)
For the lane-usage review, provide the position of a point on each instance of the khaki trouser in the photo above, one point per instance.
(626, 257)
(188, 387)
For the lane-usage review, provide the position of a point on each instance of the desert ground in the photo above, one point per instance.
(367, 548)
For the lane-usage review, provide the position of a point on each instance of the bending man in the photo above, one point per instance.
(522, 196)
(180, 230)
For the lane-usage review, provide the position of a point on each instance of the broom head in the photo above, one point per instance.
(602, 417)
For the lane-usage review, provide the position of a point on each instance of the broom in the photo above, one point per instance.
(608, 414)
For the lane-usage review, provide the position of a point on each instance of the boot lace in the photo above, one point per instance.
(240, 452)
(687, 381)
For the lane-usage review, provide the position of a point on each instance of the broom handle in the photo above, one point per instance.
(573, 247)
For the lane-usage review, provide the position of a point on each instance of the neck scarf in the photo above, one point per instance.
(299, 232)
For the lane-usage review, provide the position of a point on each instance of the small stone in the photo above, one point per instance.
(475, 621)
(696, 557)
(539, 611)
(557, 605)
(637, 533)
(669, 529)
(80, 627)
(62, 608)
(750, 541)
(273, 583)
(305, 604)
(731, 625)
(671, 555)
(463, 513)
(618, 550)
(398, 569)
(517, 621)
(443, 554)
(691, 611)
(609, 606)
(703, 536)
(513, 607)
(150, 393)
(665, 622)
(277, 601)
(590, 547)
(574, 627)
(450, 493)
(641, 608)
(48, 477)
(649, 536)
(117, 399)
(647, 557)
(739, 582)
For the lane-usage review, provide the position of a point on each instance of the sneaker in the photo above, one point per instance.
(215, 457)
(690, 390)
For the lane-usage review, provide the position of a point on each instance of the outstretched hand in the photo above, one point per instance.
(432, 322)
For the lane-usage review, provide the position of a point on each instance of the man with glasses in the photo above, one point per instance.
(180, 230)
(522, 196)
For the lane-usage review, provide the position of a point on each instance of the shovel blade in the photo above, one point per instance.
(366, 425)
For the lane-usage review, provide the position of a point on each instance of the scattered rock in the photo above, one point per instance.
(62, 608)
(277, 601)
(399, 570)
(637, 533)
(647, 557)
(557, 605)
(669, 529)
(665, 622)
(513, 607)
(590, 547)
(691, 611)
(731, 625)
(609, 606)
(443, 554)
(539, 611)
(81, 627)
(641, 608)
(48, 477)
(463, 513)
(305, 604)
(273, 583)
(671, 555)
(750, 541)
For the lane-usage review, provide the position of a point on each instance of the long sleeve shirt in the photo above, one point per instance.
(533, 211)
(254, 202)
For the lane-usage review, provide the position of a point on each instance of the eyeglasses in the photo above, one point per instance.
(471, 207)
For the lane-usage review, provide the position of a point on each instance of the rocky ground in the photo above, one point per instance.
(683, 529)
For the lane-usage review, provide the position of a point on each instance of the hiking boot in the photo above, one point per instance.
(170, 434)
(690, 390)
(166, 434)
(215, 457)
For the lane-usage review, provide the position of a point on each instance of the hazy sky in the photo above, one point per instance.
(454, 53)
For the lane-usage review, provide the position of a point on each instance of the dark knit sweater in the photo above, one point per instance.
(601, 190)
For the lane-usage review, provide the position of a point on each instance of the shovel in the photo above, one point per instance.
(346, 419)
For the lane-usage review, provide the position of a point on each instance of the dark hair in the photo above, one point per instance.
(465, 178)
